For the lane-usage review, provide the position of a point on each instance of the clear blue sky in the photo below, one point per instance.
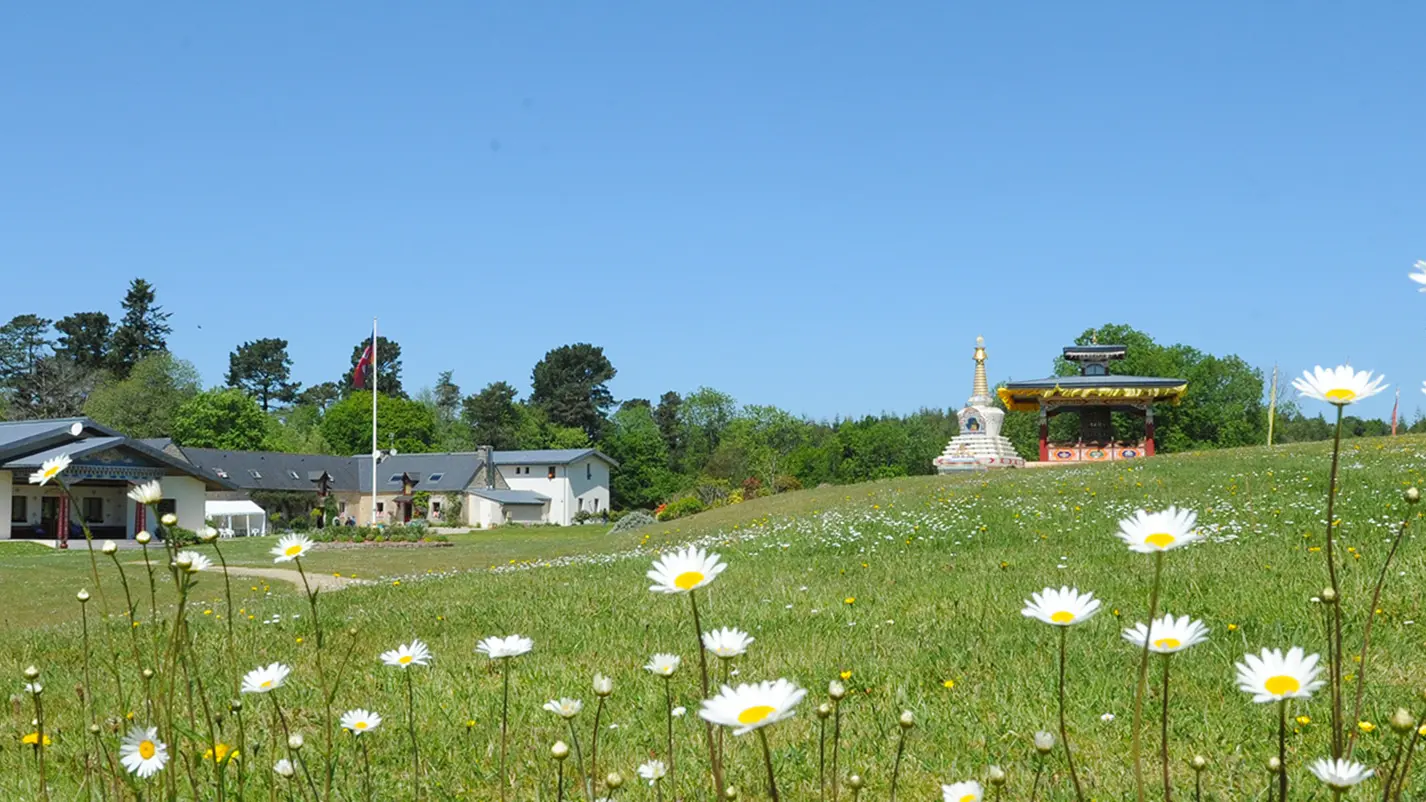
(816, 205)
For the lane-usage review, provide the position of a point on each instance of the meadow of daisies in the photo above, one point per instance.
(1187, 626)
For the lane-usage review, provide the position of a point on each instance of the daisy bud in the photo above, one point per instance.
(560, 750)
(1044, 742)
(603, 686)
(236, 705)
(183, 563)
(907, 720)
(1274, 765)
(614, 780)
(1401, 720)
(351, 632)
(94, 729)
(824, 710)
(855, 782)
(1412, 495)
(109, 547)
(208, 535)
(294, 741)
(731, 792)
(147, 674)
(995, 775)
(283, 768)
(32, 673)
(1328, 596)
(1198, 763)
(169, 519)
(82, 595)
(836, 690)
(143, 537)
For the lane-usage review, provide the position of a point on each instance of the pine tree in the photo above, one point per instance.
(143, 330)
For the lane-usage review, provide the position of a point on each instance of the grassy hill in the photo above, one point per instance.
(911, 587)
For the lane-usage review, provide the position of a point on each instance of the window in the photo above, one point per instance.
(581, 505)
(222, 474)
(436, 507)
(341, 508)
(596, 504)
(436, 477)
(167, 507)
(552, 472)
(93, 510)
(293, 474)
(588, 470)
(19, 509)
(254, 474)
(381, 506)
(395, 479)
(1096, 369)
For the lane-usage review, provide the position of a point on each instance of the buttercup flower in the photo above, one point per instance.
(727, 643)
(196, 562)
(291, 547)
(1340, 385)
(564, 708)
(663, 664)
(1148, 532)
(147, 493)
(510, 646)
(220, 754)
(1168, 634)
(33, 739)
(49, 469)
(1273, 677)
(1064, 607)
(414, 653)
(653, 771)
(142, 753)
(267, 678)
(360, 721)
(749, 707)
(968, 791)
(1339, 775)
(684, 570)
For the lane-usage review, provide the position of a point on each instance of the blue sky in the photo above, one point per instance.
(815, 205)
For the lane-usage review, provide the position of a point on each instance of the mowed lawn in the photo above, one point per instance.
(912, 587)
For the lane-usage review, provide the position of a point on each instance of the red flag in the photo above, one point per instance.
(359, 373)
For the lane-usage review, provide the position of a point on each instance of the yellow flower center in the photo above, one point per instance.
(267, 683)
(1161, 539)
(361, 725)
(146, 750)
(968, 798)
(1167, 643)
(1062, 617)
(1340, 395)
(52, 472)
(404, 659)
(688, 579)
(755, 714)
(1282, 685)
(294, 550)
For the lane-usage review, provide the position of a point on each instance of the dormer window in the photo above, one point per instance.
(552, 472)
(436, 477)
(293, 474)
(222, 474)
(395, 479)
(254, 474)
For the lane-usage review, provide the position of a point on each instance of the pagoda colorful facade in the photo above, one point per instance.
(1093, 394)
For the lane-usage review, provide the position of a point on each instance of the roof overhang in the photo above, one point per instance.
(1031, 396)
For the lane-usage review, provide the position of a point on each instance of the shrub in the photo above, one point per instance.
(752, 487)
(786, 483)
(631, 520)
(688, 505)
(583, 516)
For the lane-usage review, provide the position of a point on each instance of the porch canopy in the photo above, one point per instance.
(237, 517)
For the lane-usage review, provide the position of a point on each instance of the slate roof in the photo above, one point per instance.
(438, 473)
(20, 437)
(27, 444)
(75, 450)
(273, 470)
(551, 456)
(511, 496)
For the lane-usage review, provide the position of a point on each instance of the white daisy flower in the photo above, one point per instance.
(291, 547)
(603, 686)
(147, 493)
(663, 664)
(1167, 634)
(267, 678)
(727, 643)
(1340, 775)
(1274, 677)
(1420, 275)
(1340, 385)
(360, 721)
(510, 646)
(1064, 607)
(684, 570)
(678, 712)
(653, 771)
(1148, 532)
(142, 753)
(196, 562)
(749, 707)
(284, 768)
(49, 469)
(414, 653)
(564, 708)
(968, 791)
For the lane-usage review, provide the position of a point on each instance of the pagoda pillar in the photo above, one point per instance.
(1149, 429)
(1044, 434)
(62, 523)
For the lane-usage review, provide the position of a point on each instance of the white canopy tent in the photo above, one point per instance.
(243, 518)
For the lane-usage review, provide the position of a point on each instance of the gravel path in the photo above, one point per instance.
(322, 582)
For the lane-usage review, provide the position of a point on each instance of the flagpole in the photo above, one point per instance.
(1272, 406)
(374, 453)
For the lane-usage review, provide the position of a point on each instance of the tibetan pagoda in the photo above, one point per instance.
(980, 445)
(1093, 394)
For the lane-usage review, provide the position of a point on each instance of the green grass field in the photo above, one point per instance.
(913, 586)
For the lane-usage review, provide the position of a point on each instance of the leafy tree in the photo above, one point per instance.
(143, 404)
(56, 388)
(444, 401)
(296, 430)
(643, 478)
(446, 396)
(388, 368)
(493, 417)
(571, 385)
(666, 416)
(403, 424)
(84, 338)
(320, 396)
(23, 342)
(220, 418)
(142, 331)
(772, 434)
(263, 369)
(704, 416)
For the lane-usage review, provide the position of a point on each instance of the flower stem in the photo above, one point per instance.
(767, 760)
(594, 744)
(1039, 770)
(668, 715)
(40, 744)
(504, 724)
(822, 758)
(579, 758)
(896, 766)
(1064, 731)
(1367, 637)
(559, 781)
(836, 748)
(228, 595)
(715, 763)
(322, 680)
(1142, 686)
(1335, 633)
(1390, 778)
(1164, 731)
(411, 726)
(365, 770)
(1282, 751)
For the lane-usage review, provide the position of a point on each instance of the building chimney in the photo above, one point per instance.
(487, 454)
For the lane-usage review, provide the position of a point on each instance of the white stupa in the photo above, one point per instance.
(980, 445)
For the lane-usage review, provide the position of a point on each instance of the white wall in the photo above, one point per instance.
(589, 485)
(189, 496)
(6, 490)
(557, 489)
